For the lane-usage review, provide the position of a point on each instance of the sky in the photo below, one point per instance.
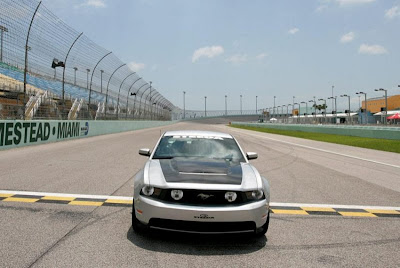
(252, 48)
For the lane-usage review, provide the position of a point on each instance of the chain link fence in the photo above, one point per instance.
(49, 70)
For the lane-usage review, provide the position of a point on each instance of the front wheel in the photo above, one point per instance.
(137, 226)
(263, 229)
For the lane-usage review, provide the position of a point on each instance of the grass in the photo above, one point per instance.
(370, 143)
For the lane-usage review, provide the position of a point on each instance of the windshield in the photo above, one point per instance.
(200, 147)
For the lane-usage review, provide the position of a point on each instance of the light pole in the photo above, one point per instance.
(108, 84)
(332, 95)
(119, 92)
(324, 100)
(101, 81)
(226, 105)
(298, 112)
(305, 114)
(241, 105)
(386, 104)
(366, 106)
(87, 78)
(315, 109)
(75, 69)
(91, 78)
(151, 106)
(287, 112)
(3, 30)
(184, 108)
(273, 110)
(345, 95)
(335, 111)
(205, 106)
(141, 96)
(256, 104)
(26, 54)
(134, 102)
(65, 62)
(156, 99)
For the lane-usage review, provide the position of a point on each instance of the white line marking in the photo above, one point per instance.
(325, 151)
(275, 204)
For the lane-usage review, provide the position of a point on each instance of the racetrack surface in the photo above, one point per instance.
(299, 171)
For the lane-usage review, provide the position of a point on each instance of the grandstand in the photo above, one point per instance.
(52, 96)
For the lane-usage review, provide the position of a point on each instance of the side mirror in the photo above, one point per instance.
(251, 155)
(145, 152)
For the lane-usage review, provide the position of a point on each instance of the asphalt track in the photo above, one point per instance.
(302, 173)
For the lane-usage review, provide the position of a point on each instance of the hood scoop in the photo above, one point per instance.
(202, 167)
(212, 171)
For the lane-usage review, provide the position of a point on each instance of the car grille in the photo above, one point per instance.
(202, 227)
(203, 197)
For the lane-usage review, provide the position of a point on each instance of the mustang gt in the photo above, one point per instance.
(200, 182)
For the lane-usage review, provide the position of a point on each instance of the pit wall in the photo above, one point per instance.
(390, 133)
(18, 133)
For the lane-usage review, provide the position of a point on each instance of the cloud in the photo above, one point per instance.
(347, 37)
(261, 56)
(92, 3)
(393, 12)
(237, 59)
(135, 66)
(320, 8)
(293, 31)
(353, 2)
(209, 52)
(372, 50)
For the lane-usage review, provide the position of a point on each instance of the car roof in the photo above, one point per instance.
(198, 133)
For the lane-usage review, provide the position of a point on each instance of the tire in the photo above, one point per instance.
(260, 232)
(137, 226)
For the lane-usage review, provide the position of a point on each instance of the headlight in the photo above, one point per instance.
(255, 195)
(177, 194)
(148, 190)
(230, 196)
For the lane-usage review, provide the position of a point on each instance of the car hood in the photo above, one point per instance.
(201, 174)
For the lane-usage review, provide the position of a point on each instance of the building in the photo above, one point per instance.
(374, 105)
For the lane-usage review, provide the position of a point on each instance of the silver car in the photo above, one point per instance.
(200, 182)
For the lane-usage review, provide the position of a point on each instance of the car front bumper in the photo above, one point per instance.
(148, 211)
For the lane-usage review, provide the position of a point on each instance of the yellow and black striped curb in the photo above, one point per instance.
(78, 201)
(347, 212)
(111, 202)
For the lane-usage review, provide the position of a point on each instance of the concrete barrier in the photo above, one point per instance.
(390, 133)
(18, 133)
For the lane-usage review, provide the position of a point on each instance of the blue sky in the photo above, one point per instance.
(266, 48)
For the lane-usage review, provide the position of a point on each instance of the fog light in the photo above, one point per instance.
(148, 190)
(230, 196)
(177, 194)
(257, 194)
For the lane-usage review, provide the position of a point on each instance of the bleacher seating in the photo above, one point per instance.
(54, 86)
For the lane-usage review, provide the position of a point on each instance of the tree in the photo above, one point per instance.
(320, 107)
